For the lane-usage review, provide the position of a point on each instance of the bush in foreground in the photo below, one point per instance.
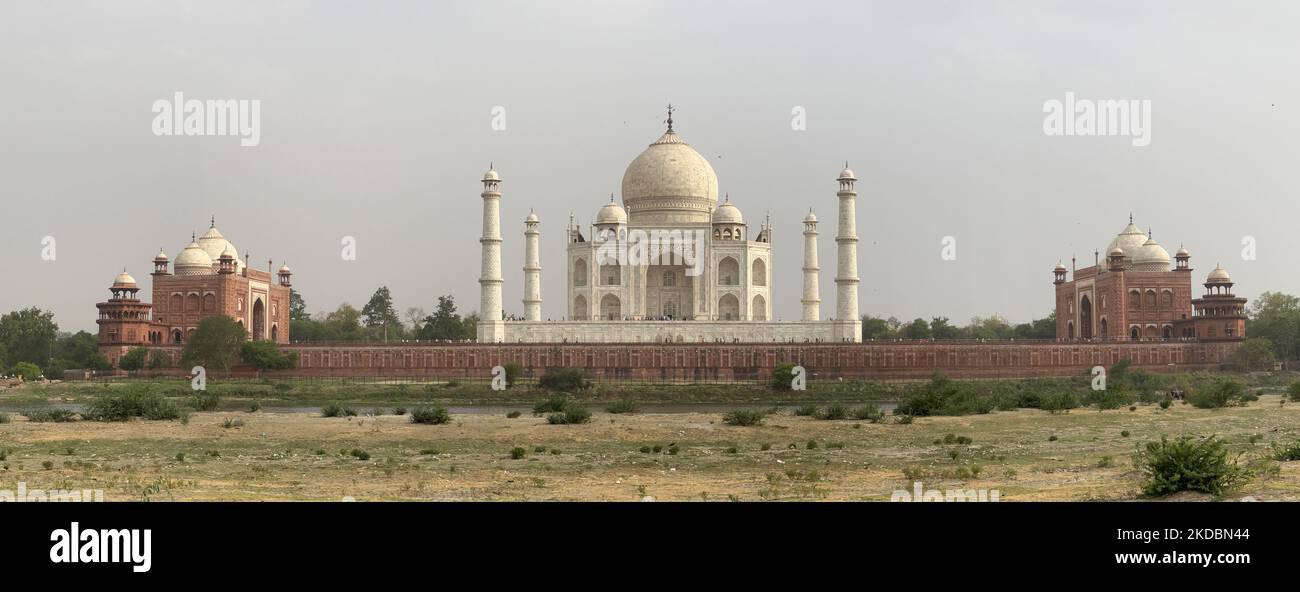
(435, 415)
(53, 415)
(563, 379)
(336, 410)
(745, 417)
(122, 407)
(1188, 464)
(572, 414)
(621, 407)
(1221, 393)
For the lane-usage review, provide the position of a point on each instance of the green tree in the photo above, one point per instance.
(28, 335)
(876, 328)
(98, 363)
(940, 328)
(134, 359)
(1276, 317)
(76, 349)
(379, 311)
(917, 329)
(265, 355)
(444, 324)
(27, 370)
(215, 344)
(344, 324)
(159, 360)
(1255, 353)
(297, 307)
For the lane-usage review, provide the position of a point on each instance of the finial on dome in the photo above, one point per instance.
(213, 223)
(193, 236)
(670, 116)
(1130, 217)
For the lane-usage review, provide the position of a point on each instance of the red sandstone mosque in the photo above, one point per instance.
(208, 279)
(1136, 296)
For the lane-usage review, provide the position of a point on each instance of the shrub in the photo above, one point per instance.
(1165, 402)
(435, 415)
(282, 387)
(783, 377)
(4, 418)
(513, 372)
(206, 400)
(1058, 402)
(869, 413)
(673, 450)
(1188, 464)
(766, 446)
(27, 370)
(1293, 391)
(513, 414)
(359, 454)
(551, 405)
(563, 379)
(1052, 438)
(399, 411)
(254, 407)
(430, 451)
(1124, 434)
(49, 465)
(805, 410)
(812, 445)
(1221, 393)
(1106, 462)
(232, 423)
(733, 450)
(624, 406)
(336, 410)
(834, 412)
(180, 457)
(1287, 453)
(518, 452)
(744, 417)
(645, 450)
(52, 415)
(572, 414)
(1111, 398)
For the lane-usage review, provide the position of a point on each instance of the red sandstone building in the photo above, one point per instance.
(1136, 296)
(209, 279)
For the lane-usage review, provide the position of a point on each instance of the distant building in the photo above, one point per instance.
(1135, 294)
(209, 279)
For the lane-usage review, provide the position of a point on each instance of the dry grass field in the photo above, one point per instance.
(281, 455)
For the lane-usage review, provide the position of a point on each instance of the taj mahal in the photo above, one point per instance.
(669, 264)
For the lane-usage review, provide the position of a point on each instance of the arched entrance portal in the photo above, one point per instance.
(1085, 318)
(259, 320)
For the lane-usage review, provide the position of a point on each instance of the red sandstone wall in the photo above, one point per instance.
(706, 362)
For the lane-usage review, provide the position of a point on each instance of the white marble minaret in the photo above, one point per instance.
(846, 278)
(532, 270)
(491, 328)
(812, 301)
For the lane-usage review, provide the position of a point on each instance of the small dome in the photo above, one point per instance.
(1116, 252)
(612, 213)
(847, 174)
(1060, 268)
(810, 217)
(285, 269)
(532, 217)
(228, 254)
(162, 255)
(124, 280)
(1182, 253)
(193, 260)
(727, 213)
(491, 175)
(1218, 276)
(1151, 257)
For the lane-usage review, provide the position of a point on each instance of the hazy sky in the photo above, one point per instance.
(376, 123)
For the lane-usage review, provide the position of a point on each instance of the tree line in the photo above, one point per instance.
(989, 328)
(378, 321)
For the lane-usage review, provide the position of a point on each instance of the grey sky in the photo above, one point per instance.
(375, 124)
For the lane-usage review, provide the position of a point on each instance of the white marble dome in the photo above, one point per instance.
(670, 183)
(1130, 240)
(193, 260)
(1151, 257)
(1218, 276)
(214, 244)
(611, 213)
(124, 279)
(728, 213)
